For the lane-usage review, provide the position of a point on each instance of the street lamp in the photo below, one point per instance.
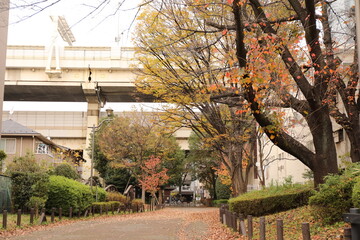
(94, 128)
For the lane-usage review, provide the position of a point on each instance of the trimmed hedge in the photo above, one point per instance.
(136, 204)
(263, 202)
(96, 205)
(115, 196)
(219, 202)
(66, 193)
(101, 194)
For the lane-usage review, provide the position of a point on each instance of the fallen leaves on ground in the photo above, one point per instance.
(204, 224)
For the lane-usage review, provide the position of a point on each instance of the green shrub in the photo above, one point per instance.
(26, 185)
(136, 204)
(115, 196)
(66, 193)
(219, 202)
(222, 191)
(356, 194)
(112, 204)
(334, 196)
(29, 179)
(37, 203)
(99, 194)
(66, 170)
(272, 200)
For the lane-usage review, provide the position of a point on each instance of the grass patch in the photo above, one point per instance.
(292, 225)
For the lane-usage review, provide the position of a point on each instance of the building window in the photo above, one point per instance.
(8, 145)
(42, 148)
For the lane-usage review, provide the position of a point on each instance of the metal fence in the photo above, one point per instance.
(5, 193)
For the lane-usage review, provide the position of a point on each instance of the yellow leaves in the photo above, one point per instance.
(212, 87)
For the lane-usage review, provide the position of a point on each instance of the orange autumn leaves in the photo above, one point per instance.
(153, 174)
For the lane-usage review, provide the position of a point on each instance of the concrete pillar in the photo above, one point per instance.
(4, 22)
(93, 111)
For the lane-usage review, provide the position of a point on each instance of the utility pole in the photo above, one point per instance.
(4, 23)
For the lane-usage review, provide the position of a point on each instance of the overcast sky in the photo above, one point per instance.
(93, 23)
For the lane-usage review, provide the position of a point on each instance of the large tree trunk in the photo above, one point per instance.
(143, 195)
(325, 160)
(238, 183)
(354, 137)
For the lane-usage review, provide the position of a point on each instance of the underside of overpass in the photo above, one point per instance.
(95, 75)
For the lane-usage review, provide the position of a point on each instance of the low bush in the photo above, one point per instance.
(115, 196)
(136, 205)
(335, 196)
(99, 194)
(66, 193)
(66, 170)
(223, 191)
(26, 185)
(272, 200)
(109, 205)
(219, 202)
(356, 194)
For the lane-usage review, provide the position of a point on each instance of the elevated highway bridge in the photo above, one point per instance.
(94, 75)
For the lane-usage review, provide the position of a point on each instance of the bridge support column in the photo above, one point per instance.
(93, 111)
(4, 21)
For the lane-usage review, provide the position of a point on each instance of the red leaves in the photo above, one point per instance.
(153, 174)
(230, 1)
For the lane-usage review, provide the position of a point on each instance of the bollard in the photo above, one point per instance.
(221, 210)
(32, 215)
(353, 217)
(250, 226)
(347, 234)
(18, 220)
(4, 225)
(60, 213)
(305, 227)
(262, 228)
(52, 214)
(279, 229)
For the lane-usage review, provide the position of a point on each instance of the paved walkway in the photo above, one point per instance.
(166, 224)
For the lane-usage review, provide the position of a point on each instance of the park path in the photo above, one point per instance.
(165, 224)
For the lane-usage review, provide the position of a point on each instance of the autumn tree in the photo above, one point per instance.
(282, 56)
(306, 78)
(184, 69)
(129, 140)
(153, 175)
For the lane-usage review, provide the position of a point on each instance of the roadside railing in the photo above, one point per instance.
(245, 227)
(57, 214)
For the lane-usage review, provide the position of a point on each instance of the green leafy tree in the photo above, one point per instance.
(66, 170)
(2, 158)
(29, 182)
(128, 141)
(204, 162)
